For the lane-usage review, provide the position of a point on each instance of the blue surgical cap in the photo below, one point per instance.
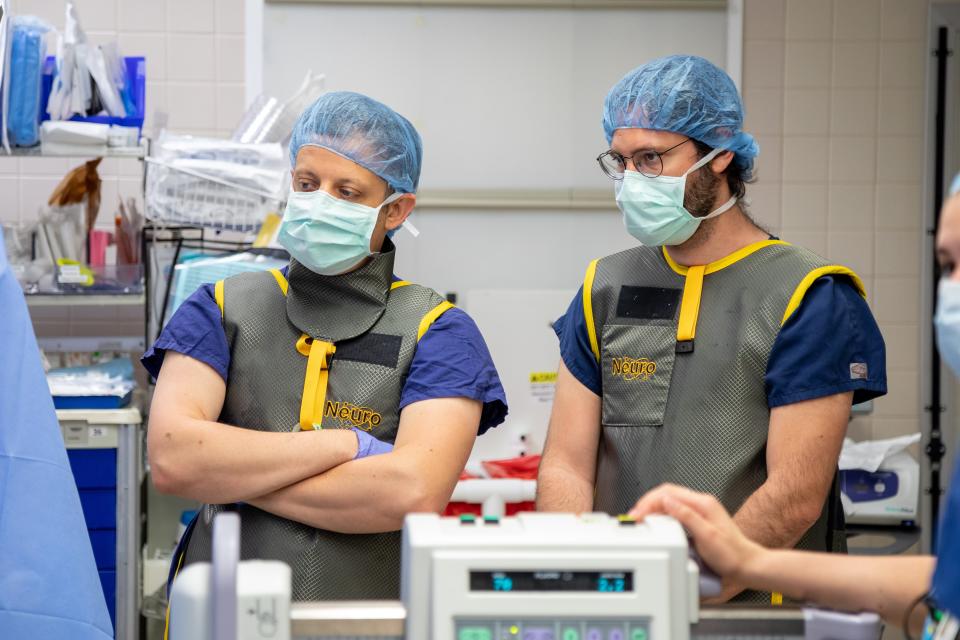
(363, 130)
(686, 95)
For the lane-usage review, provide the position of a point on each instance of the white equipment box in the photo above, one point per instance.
(547, 577)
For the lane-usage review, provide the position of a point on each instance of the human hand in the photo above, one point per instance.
(367, 445)
(716, 537)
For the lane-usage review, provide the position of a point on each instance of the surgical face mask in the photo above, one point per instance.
(325, 234)
(947, 323)
(653, 210)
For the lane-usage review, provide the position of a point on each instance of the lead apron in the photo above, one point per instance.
(373, 327)
(687, 404)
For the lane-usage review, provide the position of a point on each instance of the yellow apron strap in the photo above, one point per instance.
(431, 317)
(281, 281)
(166, 624)
(218, 295)
(315, 382)
(588, 308)
(690, 308)
(776, 599)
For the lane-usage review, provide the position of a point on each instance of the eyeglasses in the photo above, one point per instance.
(648, 162)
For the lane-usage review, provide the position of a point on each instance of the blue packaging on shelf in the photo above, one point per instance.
(99, 508)
(104, 543)
(108, 580)
(91, 402)
(136, 68)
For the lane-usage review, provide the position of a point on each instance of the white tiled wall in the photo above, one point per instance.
(834, 90)
(195, 68)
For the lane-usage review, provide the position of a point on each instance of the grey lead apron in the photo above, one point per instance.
(694, 411)
(374, 326)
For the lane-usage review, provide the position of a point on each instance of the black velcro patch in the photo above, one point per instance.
(372, 348)
(648, 303)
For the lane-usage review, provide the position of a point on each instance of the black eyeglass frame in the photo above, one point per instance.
(622, 161)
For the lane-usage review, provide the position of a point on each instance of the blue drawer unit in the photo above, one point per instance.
(99, 508)
(104, 542)
(108, 579)
(94, 468)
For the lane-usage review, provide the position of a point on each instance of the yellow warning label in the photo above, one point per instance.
(542, 377)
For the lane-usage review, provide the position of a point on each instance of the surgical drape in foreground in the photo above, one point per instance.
(49, 588)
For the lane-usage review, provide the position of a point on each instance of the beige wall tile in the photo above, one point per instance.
(815, 241)
(97, 15)
(903, 346)
(852, 249)
(899, 206)
(762, 19)
(805, 159)
(852, 159)
(764, 111)
(903, 64)
(143, 15)
(156, 98)
(9, 200)
(152, 46)
(851, 207)
(806, 111)
(898, 253)
(809, 19)
(903, 19)
(230, 63)
(763, 65)
(807, 65)
(190, 16)
(769, 164)
(899, 159)
(896, 300)
(9, 164)
(764, 205)
(860, 428)
(902, 399)
(230, 105)
(855, 65)
(34, 193)
(884, 428)
(192, 107)
(853, 112)
(191, 58)
(230, 15)
(804, 207)
(856, 19)
(901, 112)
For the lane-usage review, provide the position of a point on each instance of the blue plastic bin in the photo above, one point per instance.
(92, 402)
(94, 468)
(136, 80)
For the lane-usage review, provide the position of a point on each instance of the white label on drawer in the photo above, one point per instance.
(97, 432)
(74, 434)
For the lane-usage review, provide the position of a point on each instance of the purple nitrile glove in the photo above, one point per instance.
(367, 445)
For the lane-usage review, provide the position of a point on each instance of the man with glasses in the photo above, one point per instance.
(714, 355)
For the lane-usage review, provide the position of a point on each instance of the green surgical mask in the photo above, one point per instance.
(325, 234)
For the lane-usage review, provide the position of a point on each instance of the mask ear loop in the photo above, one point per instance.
(406, 224)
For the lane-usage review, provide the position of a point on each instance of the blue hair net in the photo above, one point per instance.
(363, 130)
(682, 94)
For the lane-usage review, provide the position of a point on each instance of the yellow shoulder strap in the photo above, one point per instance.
(432, 316)
(218, 295)
(813, 276)
(281, 281)
(588, 307)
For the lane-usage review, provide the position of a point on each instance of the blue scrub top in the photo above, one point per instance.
(811, 357)
(946, 578)
(451, 360)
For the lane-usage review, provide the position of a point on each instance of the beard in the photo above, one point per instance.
(700, 200)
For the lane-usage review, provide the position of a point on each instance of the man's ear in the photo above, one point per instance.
(399, 210)
(719, 164)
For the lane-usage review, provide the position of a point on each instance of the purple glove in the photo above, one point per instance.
(367, 445)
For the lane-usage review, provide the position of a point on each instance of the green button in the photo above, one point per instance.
(467, 518)
(638, 634)
(475, 633)
(569, 633)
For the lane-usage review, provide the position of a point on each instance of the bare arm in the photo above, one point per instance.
(568, 467)
(193, 456)
(374, 494)
(803, 446)
(887, 586)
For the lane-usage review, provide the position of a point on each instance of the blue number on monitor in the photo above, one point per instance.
(502, 583)
(615, 585)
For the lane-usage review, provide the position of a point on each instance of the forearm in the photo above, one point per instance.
(560, 488)
(217, 463)
(887, 586)
(371, 495)
(777, 515)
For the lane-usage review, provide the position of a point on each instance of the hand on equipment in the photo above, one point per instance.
(716, 537)
(367, 445)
